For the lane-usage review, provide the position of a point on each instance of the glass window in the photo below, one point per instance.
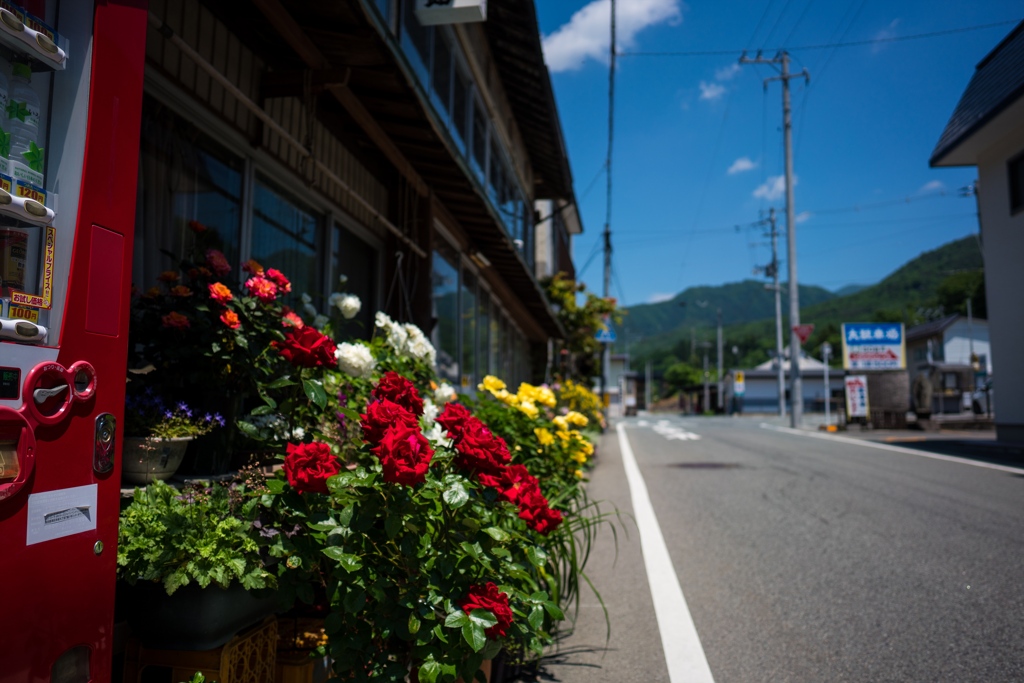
(441, 81)
(285, 236)
(460, 108)
(484, 328)
(184, 176)
(445, 302)
(416, 40)
(479, 140)
(495, 343)
(469, 311)
(357, 261)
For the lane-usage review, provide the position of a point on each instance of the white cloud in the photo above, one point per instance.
(740, 165)
(587, 35)
(726, 73)
(884, 35)
(659, 297)
(773, 188)
(711, 91)
(803, 216)
(932, 186)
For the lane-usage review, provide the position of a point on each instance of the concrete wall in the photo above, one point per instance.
(957, 346)
(1003, 247)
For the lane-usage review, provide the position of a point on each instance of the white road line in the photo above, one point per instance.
(896, 449)
(683, 652)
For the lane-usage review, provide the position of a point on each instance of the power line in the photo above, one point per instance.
(826, 46)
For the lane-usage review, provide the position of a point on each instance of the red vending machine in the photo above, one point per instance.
(71, 75)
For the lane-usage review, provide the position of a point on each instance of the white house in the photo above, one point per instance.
(950, 340)
(987, 130)
(761, 386)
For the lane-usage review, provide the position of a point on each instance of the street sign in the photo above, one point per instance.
(435, 12)
(803, 332)
(739, 386)
(606, 335)
(856, 396)
(874, 346)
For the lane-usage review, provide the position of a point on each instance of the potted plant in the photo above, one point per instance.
(157, 435)
(192, 571)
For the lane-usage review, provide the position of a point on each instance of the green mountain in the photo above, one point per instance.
(667, 333)
(740, 302)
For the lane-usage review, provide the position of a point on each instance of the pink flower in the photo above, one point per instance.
(262, 288)
(217, 262)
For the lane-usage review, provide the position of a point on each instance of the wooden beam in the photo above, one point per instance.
(293, 34)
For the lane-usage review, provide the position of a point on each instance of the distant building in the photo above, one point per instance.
(987, 130)
(761, 387)
(950, 340)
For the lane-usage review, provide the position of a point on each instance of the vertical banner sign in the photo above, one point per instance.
(874, 346)
(857, 396)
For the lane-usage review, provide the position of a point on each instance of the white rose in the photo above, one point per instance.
(306, 298)
(298, 433)
(398, 338)
(335, 299)
(430, 411)
(443, 394)
(435, 434)
(320, 321)
(310, 309)
(355, 359)
(349, 306)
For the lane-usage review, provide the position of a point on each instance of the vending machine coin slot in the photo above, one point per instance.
(104, 444)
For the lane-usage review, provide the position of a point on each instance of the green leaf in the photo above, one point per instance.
(473, 634)
(536, 555)
(498, 551)
(345, 516)
(270, 403)
(392, 525)
(497, 534)
(334, 623)
(315, 393)
(439, 632)
(554, 610)
(414, 624)
(429, 671)
(262, 410)
(483, 617)
(348, 562)
(250, 430)
(536, 617)
(354, 601)
(456, 619)
(456, 495)
(281, 382)
(275, 485)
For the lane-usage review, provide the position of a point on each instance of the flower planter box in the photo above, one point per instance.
(194, 618)
(146, 459)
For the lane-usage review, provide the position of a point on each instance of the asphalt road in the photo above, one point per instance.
(805, 559)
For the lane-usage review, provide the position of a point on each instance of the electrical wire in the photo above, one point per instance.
(826, 46)
(777, 20)
(799, 21)
(757, 28)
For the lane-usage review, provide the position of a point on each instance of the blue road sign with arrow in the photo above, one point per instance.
(606, 335)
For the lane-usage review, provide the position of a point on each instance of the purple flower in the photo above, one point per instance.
(168, 415)
(219, 419)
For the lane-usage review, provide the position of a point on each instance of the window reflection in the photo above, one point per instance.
(184, 176)
(285, 236)
(445, 302)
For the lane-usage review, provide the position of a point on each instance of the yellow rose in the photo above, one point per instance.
(544, 436)
(579, 456)
(561, 423)
(545, 397)
(492, 384)
(528, 408)
(577, 419)
(579, 474)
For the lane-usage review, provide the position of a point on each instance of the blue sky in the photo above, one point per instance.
(698, 141)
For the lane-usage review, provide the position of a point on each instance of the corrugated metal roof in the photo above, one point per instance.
(997, 83)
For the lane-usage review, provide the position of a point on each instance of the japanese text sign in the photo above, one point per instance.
(873, 346)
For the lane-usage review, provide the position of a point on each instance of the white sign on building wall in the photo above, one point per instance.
(435, 12)
(873, 346)
(857, 396)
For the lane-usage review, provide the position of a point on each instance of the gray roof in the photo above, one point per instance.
(997, 83)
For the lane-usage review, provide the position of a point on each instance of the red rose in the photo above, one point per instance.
(480, 450)
(398, 389)
(306, 347)
(382, 414)
(308, 466)
(405, 454)
(489, 598)
(278, 278)
(514, 482)
(453, 417)
(544, 520)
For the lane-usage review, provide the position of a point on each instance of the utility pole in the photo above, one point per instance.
(826, 352)
(606, 351)
(780, 369)
(707, 393)
(648, 389)
(721, 384)
(796, 384)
